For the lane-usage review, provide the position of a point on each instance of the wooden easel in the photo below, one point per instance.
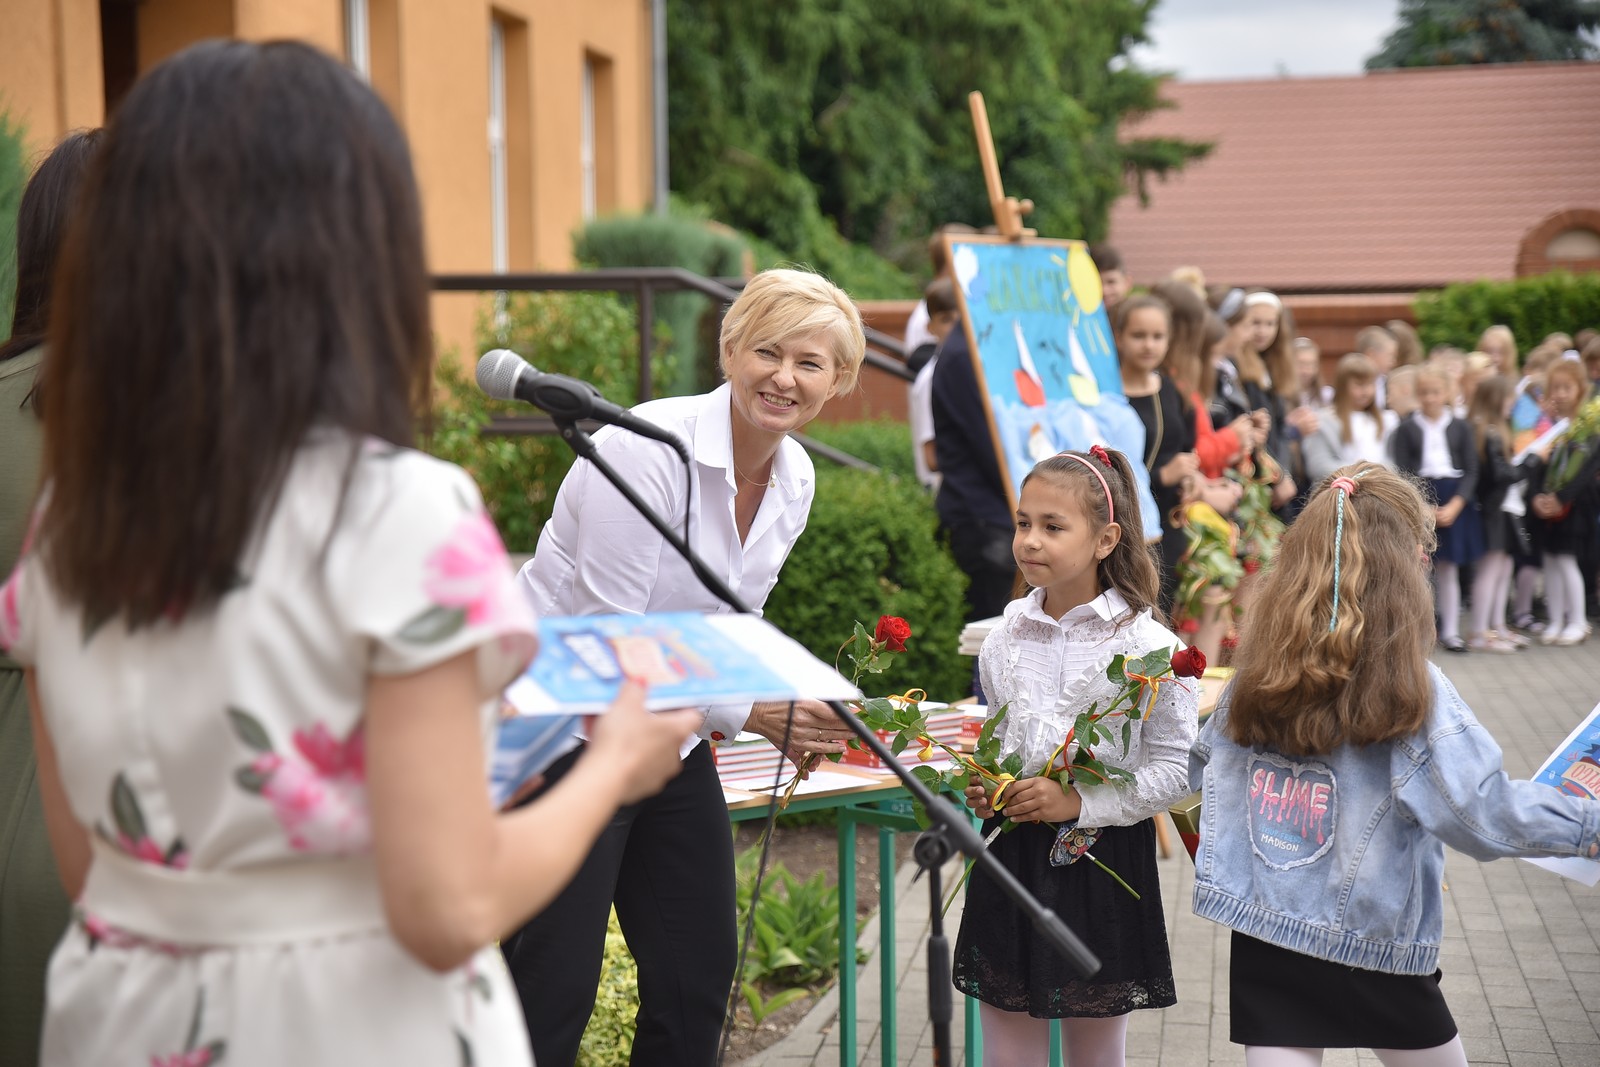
(1008, 210)
(1008, 213)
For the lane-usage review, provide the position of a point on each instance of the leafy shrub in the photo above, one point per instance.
(884, 443)
(13, 176)
(870, 549)
(671, 241)
(1533, 308)
(592, 336)
(609, 1035)
(794, 949)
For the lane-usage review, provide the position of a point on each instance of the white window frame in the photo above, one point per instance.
(586, 147)
(358, 37)
(499, 179)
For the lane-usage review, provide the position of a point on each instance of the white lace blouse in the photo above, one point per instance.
(1048, 671)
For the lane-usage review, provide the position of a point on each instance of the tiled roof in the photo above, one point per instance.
(1398, 179)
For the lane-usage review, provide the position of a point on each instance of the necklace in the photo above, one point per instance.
(770, 482)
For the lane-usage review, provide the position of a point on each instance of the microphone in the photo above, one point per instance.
(507, 376)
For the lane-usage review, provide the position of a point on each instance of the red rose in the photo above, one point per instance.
(892, 632)
(1252, 565)
(1188, 663)
(1189, 626)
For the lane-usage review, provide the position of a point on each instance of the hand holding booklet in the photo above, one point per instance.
(1574, 768)
(686, 659)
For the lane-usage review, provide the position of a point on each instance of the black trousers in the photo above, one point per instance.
(667, 864)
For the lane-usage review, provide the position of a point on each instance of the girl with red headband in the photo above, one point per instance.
(1095, 584)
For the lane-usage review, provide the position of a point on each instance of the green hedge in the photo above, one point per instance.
(1533, 307)
(870, 549)
(671, 241)
(13, 177)
(884, 443)
(592, 336)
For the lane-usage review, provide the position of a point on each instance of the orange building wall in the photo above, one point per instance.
(50, 77)
(430, 61)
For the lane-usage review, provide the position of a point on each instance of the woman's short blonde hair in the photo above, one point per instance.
(782, 304)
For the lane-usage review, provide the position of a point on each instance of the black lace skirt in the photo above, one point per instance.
(1000, 960)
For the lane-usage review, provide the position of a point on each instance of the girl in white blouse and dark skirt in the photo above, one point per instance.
(1440, 449)
(1093, 590)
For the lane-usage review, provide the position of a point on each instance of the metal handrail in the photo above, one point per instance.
(644, 283)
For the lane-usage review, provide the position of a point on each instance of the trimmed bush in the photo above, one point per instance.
(870, 549)
(671, 241)
(1533, 307)
(13, 177)
(884, 443)
(609, 1035)
(592, 336)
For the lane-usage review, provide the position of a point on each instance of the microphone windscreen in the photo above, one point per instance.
(498, 371)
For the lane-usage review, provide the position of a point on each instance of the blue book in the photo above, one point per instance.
(1574, 768)
(686, 659)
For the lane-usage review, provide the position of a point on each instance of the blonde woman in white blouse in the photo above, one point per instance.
(790, 342)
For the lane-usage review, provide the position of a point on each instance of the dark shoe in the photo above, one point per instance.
(1453, 644)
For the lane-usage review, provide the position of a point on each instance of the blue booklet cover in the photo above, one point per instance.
(525, 745)
(686, 659)
(1574, 768)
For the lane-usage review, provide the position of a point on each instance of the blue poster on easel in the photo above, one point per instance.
(1042, 347)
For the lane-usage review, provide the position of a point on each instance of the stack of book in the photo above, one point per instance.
(751, 762)
(973, 633)
(945, 724)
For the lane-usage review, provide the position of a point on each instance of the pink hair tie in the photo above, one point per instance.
(1344, 482)
(1111, 509)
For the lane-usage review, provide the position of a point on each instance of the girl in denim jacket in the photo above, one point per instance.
(1078, 543)
(1337, 766)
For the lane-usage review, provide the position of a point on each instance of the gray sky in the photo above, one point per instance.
(1210, 39)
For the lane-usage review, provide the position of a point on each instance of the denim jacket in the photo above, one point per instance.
(1341, 856)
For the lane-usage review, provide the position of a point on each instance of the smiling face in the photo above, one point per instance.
(781, 386)
(1261, 326)
(1142, 343)
(1057, 544)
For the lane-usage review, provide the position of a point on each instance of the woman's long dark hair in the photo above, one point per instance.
(42, 215)
(247, 265)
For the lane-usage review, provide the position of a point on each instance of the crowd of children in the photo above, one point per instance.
(1242, 417)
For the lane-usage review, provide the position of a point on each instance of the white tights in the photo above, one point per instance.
(1563, 592)
(1447, 598)
(1016, 1039)
(1449, 1054)
(1490, 588)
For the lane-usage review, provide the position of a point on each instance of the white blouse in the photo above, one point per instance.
(1047, 671)
(1436, 460)
(598, 556)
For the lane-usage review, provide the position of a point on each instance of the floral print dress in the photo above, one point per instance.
(232, 912)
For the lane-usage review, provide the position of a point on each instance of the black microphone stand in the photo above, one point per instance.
(951, 827)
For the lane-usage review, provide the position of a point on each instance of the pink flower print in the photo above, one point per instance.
(319, 811)
(329, 755)
(146, 850)
(469, 570)
(10, 617)
(199, 1057)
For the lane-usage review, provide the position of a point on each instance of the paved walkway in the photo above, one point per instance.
(1521, 954)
